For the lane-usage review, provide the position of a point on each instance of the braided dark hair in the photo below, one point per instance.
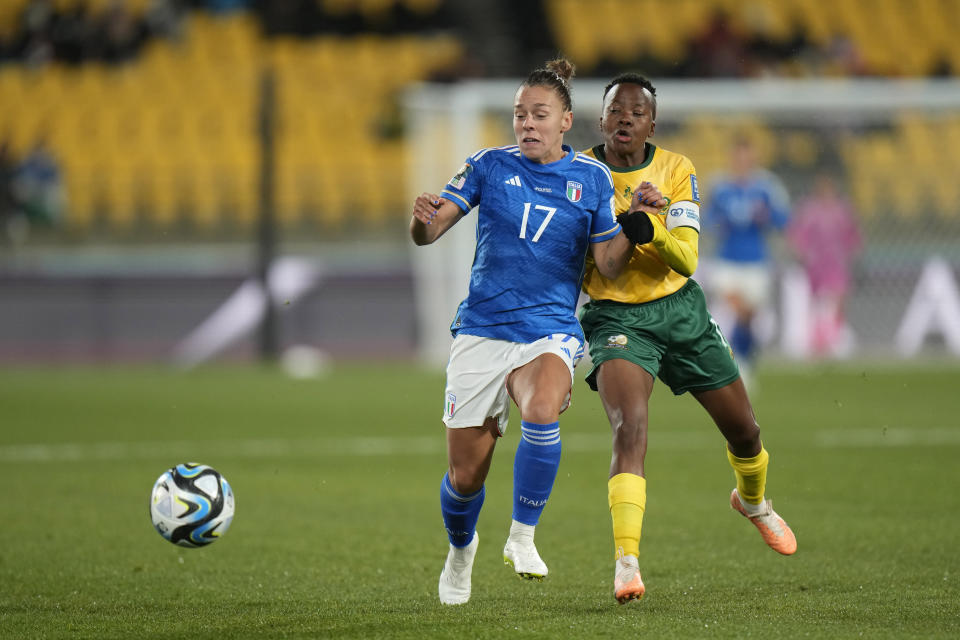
(637, 79)
(556, 74)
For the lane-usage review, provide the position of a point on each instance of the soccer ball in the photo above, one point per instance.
(191, 505)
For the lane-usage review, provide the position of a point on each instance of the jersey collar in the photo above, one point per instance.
(560, 164)
(649, 151)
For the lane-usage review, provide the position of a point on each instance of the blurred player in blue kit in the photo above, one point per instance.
(540, 208)
(746, 206)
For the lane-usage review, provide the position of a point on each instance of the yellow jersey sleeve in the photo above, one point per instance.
(662, 266)
(679, 248)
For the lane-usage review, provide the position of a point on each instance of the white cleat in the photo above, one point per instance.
(627, 583)
(522, 555)
(454, 587)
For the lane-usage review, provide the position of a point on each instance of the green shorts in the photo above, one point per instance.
(673, 338)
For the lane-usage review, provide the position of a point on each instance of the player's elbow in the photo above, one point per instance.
(610, 269)
(686, 268)
(609, 265)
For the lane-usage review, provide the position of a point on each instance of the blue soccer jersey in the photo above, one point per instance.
(534, 224)
(744, 212)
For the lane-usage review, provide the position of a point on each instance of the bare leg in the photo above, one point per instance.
(539, 388)
(625, 393)
(733, 414)
(469, 452)
(625, 390)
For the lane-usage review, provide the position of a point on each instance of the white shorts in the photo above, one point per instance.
(749, 281)
(477, 375)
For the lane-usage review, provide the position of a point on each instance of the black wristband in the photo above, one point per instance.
(636, 226)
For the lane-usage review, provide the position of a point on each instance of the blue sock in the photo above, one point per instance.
(460, 512)
(534, 469)
(742, 341)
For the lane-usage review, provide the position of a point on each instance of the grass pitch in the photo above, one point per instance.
(338, 532)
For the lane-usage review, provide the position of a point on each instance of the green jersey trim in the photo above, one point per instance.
(649, 150)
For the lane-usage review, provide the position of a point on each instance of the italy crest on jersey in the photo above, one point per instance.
(574, 191)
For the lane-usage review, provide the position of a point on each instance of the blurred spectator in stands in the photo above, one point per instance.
(77, 35)
(164, 19)
(843, 58)
(289, 17)
(717, 51)
(8, 169)
(744, 207)
(33, 42)
(121, 33)
(73, 34)
(942, 67)
(38, 187)
(826, 240)
(226, 5)
(37, 17)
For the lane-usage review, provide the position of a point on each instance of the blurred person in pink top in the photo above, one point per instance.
(825, 238)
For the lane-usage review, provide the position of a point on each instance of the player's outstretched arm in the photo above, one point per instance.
(432, 216)
(612, 256)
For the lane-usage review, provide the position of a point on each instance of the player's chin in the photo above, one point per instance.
(532, 151)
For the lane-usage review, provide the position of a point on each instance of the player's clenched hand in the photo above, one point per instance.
(636, 226)
(647, 197)
(425, 207)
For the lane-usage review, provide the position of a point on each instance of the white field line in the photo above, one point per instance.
(888, 437)
(297, 448)
(430, 445)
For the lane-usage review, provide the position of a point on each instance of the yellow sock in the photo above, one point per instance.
(627, 495)
(751, 475)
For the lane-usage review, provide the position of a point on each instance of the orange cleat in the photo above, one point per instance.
(775, 532)
(627, 584)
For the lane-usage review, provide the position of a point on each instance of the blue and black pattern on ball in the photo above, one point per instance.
(204, 534)
(198, 529)
(190, 469)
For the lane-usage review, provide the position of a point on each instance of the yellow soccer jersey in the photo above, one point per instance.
(648, 276)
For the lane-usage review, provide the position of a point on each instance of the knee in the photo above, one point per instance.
(542, 408)
(466, 479)
(630, 433)
(744, 440)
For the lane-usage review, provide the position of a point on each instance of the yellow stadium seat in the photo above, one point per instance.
(10, 11)
(120, 192)
(818, 25)
(80, 195)
(567, 19)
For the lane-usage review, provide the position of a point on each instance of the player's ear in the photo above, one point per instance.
(653, 127)
(566, 122)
